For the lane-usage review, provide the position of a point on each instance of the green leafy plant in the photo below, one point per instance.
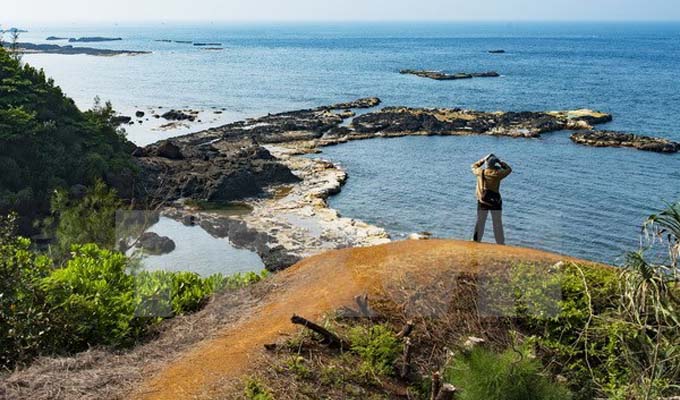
(512, 375)
(378, 348)
(93, 297)
(256, 390)
(88, 219)
(24, 322)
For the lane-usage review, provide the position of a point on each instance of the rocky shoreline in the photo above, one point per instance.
(258, 162)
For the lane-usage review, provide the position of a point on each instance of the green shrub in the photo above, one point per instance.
(90, 219)
(24, 321)
(378, 348)
(511, 375)
(92, 298)
(578, 346)
(256, 390)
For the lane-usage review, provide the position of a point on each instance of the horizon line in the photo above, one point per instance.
(331, 21)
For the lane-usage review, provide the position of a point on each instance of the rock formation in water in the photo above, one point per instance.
(71, 50)
(94, 39)
(618, 139)
(155, 244)
(442, 76)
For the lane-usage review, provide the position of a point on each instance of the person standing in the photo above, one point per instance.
(489, 196)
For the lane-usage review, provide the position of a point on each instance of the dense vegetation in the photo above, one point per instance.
(94, 298)
(47, 143)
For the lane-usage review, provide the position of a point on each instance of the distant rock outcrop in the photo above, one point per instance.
(56, 38)
(619, 139)
(71, 50)
(93, 39)
(176, 115)
(499, 51)
(442, 76)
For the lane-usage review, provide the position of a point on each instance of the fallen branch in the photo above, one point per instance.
(329, 339)
(436, 385)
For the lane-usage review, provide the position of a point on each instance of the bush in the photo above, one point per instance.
(255, 390)
(511, 375)
(92, 298)
(89, 219)
(24, 321)
(378, 348)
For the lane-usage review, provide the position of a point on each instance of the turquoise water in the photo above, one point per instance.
(563, 197)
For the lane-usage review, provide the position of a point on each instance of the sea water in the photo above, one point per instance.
(563, 197)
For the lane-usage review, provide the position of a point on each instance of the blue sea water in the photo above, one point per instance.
(562, 197)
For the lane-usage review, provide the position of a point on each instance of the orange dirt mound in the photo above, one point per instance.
(314, 287)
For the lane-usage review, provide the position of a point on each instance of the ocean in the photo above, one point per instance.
(562, 197)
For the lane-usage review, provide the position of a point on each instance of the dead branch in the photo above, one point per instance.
(436, 385)
(406, 359)
(329, 339)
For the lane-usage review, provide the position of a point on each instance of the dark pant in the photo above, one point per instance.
(496, 216)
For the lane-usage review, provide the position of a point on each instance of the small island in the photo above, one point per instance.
(207, 44)
(93, 39)
(32, 48)
(618, 139)
(56, 38)
(498, 51)
(442, 76)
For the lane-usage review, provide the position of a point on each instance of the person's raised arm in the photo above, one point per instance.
(505, 169)
(476, 166)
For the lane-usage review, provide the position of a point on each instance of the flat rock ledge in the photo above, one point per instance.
(442, 76)
(618, 139)
(294, 221)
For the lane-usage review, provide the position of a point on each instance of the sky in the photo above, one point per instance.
(15, 11)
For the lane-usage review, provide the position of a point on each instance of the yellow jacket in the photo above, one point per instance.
(492, 176)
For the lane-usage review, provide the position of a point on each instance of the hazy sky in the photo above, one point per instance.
(335, 10)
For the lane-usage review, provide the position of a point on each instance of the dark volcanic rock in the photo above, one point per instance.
(400, 120)
(156, 244)
(207, 44)
(139, 152)
(441, 76)
(618, 139)
(499, 51)
(176, 115)
(120, 119)
(169, 150)
(212, 168)
(139, 114)
(93, 39)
